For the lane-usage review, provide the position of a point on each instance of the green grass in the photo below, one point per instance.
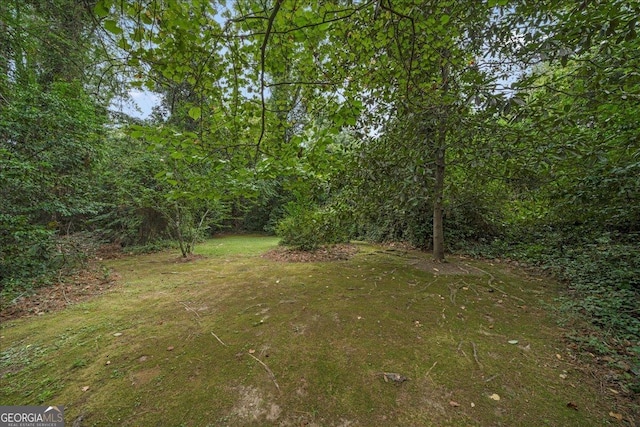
(325, 331)
(245, 245)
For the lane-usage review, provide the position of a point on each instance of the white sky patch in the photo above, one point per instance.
(139, 104)
(145, 101)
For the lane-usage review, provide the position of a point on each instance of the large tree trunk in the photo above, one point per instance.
(438, 196)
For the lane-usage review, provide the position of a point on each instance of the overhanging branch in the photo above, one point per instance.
(263, 55)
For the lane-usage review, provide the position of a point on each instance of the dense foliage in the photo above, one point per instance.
(501, 128)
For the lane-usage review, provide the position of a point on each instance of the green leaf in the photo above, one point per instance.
(101, 10)
(195, 113)
(138, 35)
(146, 18)
(444, 19)
(124, 44)
(112, 26)
(136, 134)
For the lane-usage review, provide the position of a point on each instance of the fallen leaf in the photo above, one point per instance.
(616, 415)
(392, 376)
(117, 334)
(251, 351)
(454, 404)
(85, 388)
(495, 397)
(563, 376)
(170, 348)
(559, 357)
(572, 406)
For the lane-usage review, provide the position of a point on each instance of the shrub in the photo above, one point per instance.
(308, 228)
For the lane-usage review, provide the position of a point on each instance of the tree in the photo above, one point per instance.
(50, 129)
(417, 57)
(50, 146)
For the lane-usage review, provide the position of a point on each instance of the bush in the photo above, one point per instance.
(308, 228)
(26, 251)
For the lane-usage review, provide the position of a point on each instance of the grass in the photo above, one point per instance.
(234, 339)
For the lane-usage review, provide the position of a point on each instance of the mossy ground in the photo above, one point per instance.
(236, 339)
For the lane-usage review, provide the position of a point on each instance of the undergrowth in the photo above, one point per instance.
(602, 277)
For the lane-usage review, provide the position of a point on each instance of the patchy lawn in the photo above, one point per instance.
(236, 338)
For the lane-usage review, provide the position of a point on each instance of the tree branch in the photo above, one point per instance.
(263, 54)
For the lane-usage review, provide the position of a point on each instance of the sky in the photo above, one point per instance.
(140, 105)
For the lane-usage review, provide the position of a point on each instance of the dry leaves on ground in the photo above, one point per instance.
(340, 252)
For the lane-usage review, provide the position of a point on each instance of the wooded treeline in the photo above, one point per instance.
(495, 128)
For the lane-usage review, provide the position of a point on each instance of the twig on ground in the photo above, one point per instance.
(495, 288)
(466, 271)
(470, 287)
(219, 340)
(15, 300)
(493, 377)
(435, 279)
(475, 354)
(250, 307)
(431, 368)
(375, 286)
(190, 309)
(452, 294)
(64, 294)
(273, 377)
(460, 350)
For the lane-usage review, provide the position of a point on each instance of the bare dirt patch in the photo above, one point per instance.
(251, 406)
(454, 264)
(340, 252)
(144, 377)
